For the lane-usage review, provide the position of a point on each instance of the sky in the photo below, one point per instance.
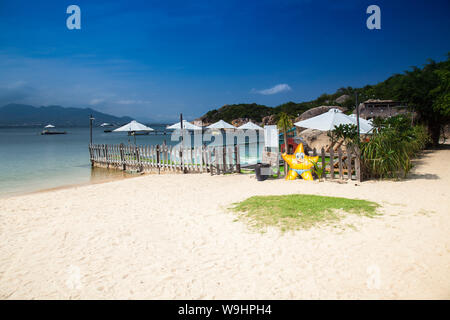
(153, 60)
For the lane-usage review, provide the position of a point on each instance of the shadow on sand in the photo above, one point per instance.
(420, 160)
(425, 176)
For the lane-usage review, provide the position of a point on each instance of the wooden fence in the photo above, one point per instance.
(340, 164)
(216, 160)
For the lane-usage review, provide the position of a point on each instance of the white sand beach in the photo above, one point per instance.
(171, 237)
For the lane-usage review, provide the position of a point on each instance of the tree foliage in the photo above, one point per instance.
(228, 113)
(425, 90)
(388, 152)
(346, 132)
(284, 123)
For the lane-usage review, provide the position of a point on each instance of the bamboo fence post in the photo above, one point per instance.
(349, 164)
(324, 174)
(157, 158)
(107, 154)
(216, 159)
(136, 156)
(224, 155)
(238, 159)
(90, 155)
(230, 159)
(122, 157)
(358, 164)
(209, 155)
(331, 164)
(203, 158)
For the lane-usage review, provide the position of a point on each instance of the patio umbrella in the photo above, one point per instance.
(365, 126)
(132, 128)
(326, 121)
(250, 126)
(186, 125)
(221, 125)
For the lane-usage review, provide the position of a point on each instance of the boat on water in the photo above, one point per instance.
(48, 130)
(107, 127)
(53, 132)
(138, 133)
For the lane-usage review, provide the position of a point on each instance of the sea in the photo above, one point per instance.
(31, 162)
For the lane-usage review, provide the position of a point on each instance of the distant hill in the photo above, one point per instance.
(398, 87)
(344, 97)
(26, 115)
(230, 112)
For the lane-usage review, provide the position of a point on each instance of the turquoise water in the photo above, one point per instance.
(30, 161)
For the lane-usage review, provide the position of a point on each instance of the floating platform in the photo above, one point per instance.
(46, 132)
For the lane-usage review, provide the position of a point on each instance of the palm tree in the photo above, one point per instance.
(284, 124)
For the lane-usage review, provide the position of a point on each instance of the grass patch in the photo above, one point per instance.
(300, 211)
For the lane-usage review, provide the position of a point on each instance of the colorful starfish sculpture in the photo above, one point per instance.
(299, 163)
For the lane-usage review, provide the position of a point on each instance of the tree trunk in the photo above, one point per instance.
(435, 132)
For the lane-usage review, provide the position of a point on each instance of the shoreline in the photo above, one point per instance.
(83, 184)
(125, 176)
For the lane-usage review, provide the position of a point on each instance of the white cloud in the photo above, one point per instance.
(95, 102)
(283, 87)
(132, 102)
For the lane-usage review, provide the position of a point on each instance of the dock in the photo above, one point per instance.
(164, 158)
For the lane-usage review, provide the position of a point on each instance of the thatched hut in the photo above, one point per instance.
(374, 108)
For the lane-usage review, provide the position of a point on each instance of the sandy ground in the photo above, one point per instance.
(171, 237)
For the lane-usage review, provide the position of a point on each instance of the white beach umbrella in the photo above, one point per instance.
(133, 126)
(326, 121)
(49, 126)
(186, 125)
(221, 125)
(365, 126)
(250, 126)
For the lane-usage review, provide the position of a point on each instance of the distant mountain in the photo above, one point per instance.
(26, 115)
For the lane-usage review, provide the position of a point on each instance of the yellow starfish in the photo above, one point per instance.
(299, 163)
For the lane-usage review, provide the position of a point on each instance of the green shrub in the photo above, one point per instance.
(318, 169)
(389, 151)
(347, 132)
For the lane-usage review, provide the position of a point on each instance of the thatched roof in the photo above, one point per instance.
(380, 111)
(378, 101)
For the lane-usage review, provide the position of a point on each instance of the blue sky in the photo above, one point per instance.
(154, 59)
